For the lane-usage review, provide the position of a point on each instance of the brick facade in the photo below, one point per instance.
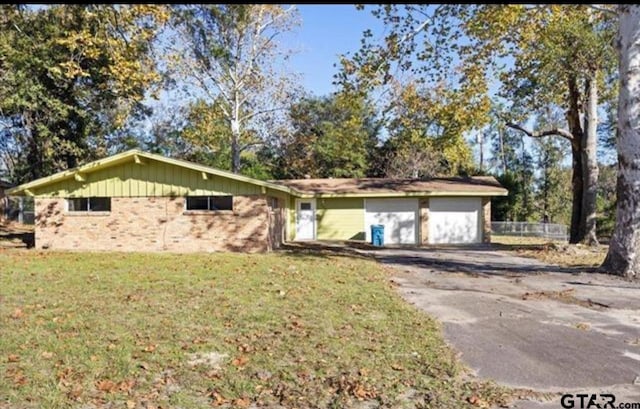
(486, 220)
(154, 224)
(423, 205)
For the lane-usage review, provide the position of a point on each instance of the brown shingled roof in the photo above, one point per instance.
(477, 185)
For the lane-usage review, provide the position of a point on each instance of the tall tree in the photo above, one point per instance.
(623, 257)
(559, 55)
(70, 76)
(426, 128)
(233, 59)
(330, 136)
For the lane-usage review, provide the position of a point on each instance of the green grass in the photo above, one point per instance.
(298, 330)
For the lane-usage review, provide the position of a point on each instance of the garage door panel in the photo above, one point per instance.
(454, 220)
(399, 217)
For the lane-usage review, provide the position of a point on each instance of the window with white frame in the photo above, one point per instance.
(209, 203)
(89, 204)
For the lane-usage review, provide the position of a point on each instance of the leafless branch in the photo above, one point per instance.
(603, 8)
(550, 132)
(256, 113)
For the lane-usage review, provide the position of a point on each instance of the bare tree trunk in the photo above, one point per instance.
(481, 147)
(573, 120)
(235, 146)
(590, 165)
(236, 133)
(623, 257)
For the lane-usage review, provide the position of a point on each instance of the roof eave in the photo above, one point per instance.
(399, 194)
(135, 154)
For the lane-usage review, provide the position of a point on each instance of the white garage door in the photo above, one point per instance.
(399, 217)
(454, 220)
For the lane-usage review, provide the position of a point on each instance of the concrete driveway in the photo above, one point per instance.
(526, 324)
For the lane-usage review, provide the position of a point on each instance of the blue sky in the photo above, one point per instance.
(326, 32)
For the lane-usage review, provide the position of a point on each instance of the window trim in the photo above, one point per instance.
(87, 211)
(209, 210)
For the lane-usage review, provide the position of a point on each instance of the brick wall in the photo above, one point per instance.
(154, 224)
(486, 220)
(424, 220)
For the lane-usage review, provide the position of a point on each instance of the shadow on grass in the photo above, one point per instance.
(327, 249)
(435, 257)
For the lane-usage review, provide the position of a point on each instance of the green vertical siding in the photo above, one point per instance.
(152, 178)
(340, 219)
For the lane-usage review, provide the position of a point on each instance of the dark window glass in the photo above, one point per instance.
(197, 203)
(100, 204)
(90, 204)
(221, 202)
(210, 203)
(305, 206)
(79, 204)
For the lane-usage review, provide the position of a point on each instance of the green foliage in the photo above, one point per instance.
(426, 131)
(70, 76)
(330, 137)
(553, 183)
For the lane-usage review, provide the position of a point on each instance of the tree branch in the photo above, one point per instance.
(250, 144)
(550, 132)
(603, 8)
(256, 113)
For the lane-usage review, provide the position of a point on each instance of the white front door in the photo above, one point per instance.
(305, 219)
(399, 217)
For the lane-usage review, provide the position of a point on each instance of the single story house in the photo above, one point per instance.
(146, 202)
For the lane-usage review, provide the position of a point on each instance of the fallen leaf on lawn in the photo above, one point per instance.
(240, 361)
(20, 380)
(126, 386)
(241, 403)
(106, 385)
(217, 398)
(475, 400)
(75, 392)
(131, 404)
(360, 392)
(13, 358)
(17, 314)
(47, 355)
(245, 348)
(397, 367)
(150, 348)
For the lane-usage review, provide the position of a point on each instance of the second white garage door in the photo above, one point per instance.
(399, 217)
(454, 220)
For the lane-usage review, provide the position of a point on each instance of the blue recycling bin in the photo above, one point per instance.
(377, 235)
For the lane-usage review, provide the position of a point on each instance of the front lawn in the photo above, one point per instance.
(98, 330)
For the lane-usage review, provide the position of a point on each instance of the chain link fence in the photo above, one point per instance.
(527, 229)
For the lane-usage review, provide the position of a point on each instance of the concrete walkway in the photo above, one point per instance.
(526, 324)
